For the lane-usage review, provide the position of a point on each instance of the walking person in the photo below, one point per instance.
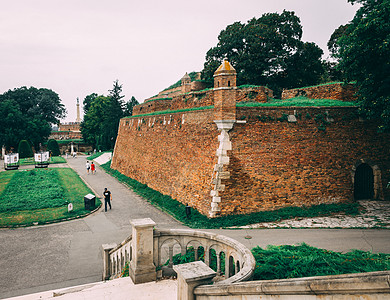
(93, 169)
(107, 198)
(87, 166)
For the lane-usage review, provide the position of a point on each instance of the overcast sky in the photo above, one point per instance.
(79, 47)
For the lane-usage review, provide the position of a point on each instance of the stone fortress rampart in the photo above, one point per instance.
(207, 149)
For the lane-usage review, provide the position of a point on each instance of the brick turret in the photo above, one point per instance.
(186, 83)
(225, 92)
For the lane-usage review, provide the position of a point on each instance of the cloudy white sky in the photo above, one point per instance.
(79, 47)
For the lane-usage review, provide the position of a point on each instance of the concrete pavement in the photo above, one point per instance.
(67, 254)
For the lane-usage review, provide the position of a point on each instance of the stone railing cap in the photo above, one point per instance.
(142, 222)
(194, 271)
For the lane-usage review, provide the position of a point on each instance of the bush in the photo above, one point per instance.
(24, 149)
(52, 146)
(287, 261)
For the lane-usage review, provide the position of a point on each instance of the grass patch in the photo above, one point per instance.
(163, 112)
(53, 160)
(279, 262)
(40, 195)
(197, 220)
(77, 141)
(299, 102)
(96, 155)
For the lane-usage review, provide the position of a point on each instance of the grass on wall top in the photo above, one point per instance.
(168, 111)
(299, 102)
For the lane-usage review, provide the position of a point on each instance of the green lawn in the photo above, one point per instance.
(40, 195)
(53, 160)
(97, 154)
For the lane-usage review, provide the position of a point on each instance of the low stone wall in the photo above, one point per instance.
(337, 91)
(374, 285)
(239, 261)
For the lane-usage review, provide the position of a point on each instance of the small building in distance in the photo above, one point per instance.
(69, 133)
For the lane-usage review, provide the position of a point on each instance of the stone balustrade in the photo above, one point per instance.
(239, 261)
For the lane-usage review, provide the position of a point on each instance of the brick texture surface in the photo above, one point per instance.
(272, 163)
(337, 91)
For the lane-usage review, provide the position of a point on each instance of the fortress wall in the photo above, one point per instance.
(174, 158)
(152, 106)
(195, 99)
(254, 94)
(272, 163)
(337, 91)
(275, 164)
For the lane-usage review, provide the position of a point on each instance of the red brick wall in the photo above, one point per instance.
(272, 164)
(337, 91)
(201, 98)
(176, 159)
(275, 164)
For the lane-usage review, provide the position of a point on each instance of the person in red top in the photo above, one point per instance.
(93, 170)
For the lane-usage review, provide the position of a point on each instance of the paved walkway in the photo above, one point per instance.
(68, 254)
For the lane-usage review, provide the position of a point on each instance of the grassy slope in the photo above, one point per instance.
(197, 220)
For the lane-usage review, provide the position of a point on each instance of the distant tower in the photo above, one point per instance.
(186, 83)
(78, 119)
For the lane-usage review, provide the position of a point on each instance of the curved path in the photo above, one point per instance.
(67, 254)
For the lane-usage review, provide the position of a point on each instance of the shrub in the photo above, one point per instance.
(52, 146)
(287, 261)
(24, 149)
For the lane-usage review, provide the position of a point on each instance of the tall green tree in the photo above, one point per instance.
(87, 102)
(28, 114)
(130, 105)
(267, 51)
(364, 56)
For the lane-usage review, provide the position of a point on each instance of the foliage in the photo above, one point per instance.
(27, 114)
(299, 102)
(52, 146)
(333, 45)
(129, 106)
(364, 56)
(24, 149)
(102, 115)
(197, 220)
(40, 195)
(280, 262)
(267, 51)
(88, 101)
(100, 124)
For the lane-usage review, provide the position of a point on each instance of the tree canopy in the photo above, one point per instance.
(364, 56)
(102, 115)
(27, 114)
(267, 51)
